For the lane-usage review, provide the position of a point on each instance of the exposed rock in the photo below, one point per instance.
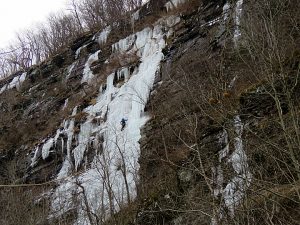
(189, 166)
(81, 41)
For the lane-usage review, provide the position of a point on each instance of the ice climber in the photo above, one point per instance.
(123, 123)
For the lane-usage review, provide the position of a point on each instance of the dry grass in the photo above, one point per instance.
(20, 206)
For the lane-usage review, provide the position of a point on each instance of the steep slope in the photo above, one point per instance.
(212, 154)
(211, 134)
(82, 149)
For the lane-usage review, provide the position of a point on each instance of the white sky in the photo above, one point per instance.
(16, 15)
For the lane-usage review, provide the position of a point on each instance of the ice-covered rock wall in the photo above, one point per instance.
(229, 11)
(234, 191)
(110, 180)
(237, 186)
(87, 73)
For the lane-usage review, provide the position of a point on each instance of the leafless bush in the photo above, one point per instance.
(45, 40)
(22, 206)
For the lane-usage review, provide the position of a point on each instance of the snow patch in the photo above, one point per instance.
(78, 51)
(15, 83)
(237, 20)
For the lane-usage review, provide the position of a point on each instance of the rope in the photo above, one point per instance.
(51, 182)
(26, 185)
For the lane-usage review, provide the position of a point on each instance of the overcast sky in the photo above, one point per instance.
(16, 15)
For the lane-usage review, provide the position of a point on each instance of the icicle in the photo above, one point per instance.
(46, 148)
(102, 38)
(124, 44)
(70, 69)
(58, 132)
(87, 73)
(70, 132)
(62, 144)
(83, 142)
(66, 104)
(35, 157)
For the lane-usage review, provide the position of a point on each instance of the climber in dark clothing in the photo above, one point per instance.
(123, 123)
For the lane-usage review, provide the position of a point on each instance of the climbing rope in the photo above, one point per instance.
(51, 182)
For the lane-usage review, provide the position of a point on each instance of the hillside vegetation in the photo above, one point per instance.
(210, 93)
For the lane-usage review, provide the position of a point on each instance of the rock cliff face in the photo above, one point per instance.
(211, 131)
